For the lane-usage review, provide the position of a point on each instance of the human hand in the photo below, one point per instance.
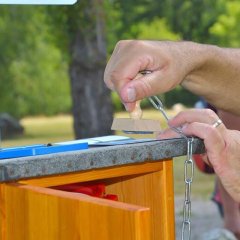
(222, 145)
(168, 62)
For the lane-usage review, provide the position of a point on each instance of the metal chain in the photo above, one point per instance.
(188, 172)
(188, 179)
(188, 168)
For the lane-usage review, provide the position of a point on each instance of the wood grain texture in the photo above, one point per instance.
(137, 111)
(35, 213)
(153, 190)
(145, 209)
(168, 213)
(2, 213)
(95, 174)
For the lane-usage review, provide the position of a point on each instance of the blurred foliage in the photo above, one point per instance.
(225, 31)
(193, 18)
(157, 29)
(117, 104)
(34, 44)
(33, 73)
(180, 95)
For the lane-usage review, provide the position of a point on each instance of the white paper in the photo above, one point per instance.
(92, 141)
(39, 2)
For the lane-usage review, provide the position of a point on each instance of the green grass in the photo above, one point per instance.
(59, 128)
(43, 130)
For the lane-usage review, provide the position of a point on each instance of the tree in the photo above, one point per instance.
(83, 26)
(92, 107)
(33, 69)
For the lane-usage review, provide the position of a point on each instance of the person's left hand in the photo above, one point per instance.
(222, 145)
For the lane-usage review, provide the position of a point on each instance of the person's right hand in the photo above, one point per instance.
(168, 62)
(222, 145)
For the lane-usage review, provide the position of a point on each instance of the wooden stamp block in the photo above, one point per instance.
(136, 125)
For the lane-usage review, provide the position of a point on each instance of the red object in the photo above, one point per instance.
(111, 197)
(91, 189)
(68, 187)
(201, 165)
(85, 190)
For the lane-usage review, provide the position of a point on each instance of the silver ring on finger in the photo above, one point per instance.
(217, 123)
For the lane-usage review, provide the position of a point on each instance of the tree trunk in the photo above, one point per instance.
(92, 106)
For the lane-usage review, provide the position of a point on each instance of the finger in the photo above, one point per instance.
(195, 115)
(113, 60)
(131, 106)
(124, 64)
(167, 134)
(213, 140)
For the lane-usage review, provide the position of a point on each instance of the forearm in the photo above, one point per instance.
(215, 76)
(205, 70)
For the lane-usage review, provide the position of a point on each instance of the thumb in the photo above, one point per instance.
(141, 87)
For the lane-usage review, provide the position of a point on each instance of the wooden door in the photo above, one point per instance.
(36, 213)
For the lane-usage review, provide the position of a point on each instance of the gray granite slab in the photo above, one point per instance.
(94, 158)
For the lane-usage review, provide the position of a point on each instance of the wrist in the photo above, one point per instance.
(215, 76)
(200, 58)
(204, 62)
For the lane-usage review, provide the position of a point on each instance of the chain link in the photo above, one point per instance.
(188, 179)
(188, 172)
(188, 168)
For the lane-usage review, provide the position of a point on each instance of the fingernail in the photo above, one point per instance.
(131, 94)
(126, 107)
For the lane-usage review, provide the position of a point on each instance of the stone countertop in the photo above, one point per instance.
(94, 158)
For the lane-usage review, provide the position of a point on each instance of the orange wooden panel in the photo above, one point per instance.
(35, 213)
(153, 190)
(95, 174)
(167, 188)
(2, 214)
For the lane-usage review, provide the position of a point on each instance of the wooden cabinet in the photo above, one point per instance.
(31, 210)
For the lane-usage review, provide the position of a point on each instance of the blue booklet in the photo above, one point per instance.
(40, 149)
